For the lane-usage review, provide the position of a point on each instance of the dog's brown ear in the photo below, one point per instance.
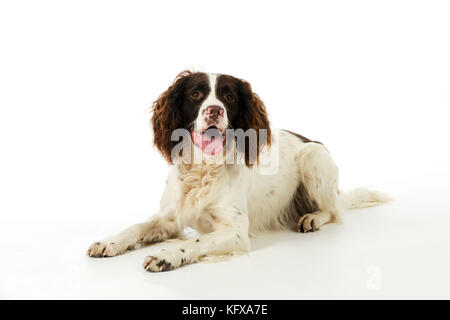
(166, 115)
(252, 115)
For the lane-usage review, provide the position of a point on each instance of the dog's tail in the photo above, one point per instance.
(363, 198)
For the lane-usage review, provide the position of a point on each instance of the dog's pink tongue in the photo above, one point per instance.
(211, 145)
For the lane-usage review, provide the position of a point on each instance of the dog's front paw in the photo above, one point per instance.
(155, 264)
(104, 249)
(164, 261)
(308, 222)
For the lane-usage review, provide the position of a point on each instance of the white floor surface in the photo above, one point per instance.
(398, 250)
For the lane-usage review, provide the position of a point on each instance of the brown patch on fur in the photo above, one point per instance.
(252, 115)
(165, 120)
(302, 202)
(304, 139)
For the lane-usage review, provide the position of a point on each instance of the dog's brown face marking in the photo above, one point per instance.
(196, 89)
(227, 91)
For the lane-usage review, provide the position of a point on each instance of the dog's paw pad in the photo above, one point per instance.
(155, 264)
(308, 222)
(103, 249)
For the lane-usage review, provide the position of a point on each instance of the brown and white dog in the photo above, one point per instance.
(279, 180)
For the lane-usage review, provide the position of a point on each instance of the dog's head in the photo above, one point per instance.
(207, 105)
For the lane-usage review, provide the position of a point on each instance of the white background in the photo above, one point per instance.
(370, 79)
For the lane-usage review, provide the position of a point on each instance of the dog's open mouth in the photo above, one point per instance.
(211, 140)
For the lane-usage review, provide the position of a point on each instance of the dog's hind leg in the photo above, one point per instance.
(319, 178)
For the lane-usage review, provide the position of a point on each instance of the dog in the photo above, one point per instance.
(275, 180)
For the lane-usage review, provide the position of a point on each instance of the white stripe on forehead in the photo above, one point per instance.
(212, 82)
(211, 99)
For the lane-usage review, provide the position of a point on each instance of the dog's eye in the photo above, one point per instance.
(229, 97)
(196, 95)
